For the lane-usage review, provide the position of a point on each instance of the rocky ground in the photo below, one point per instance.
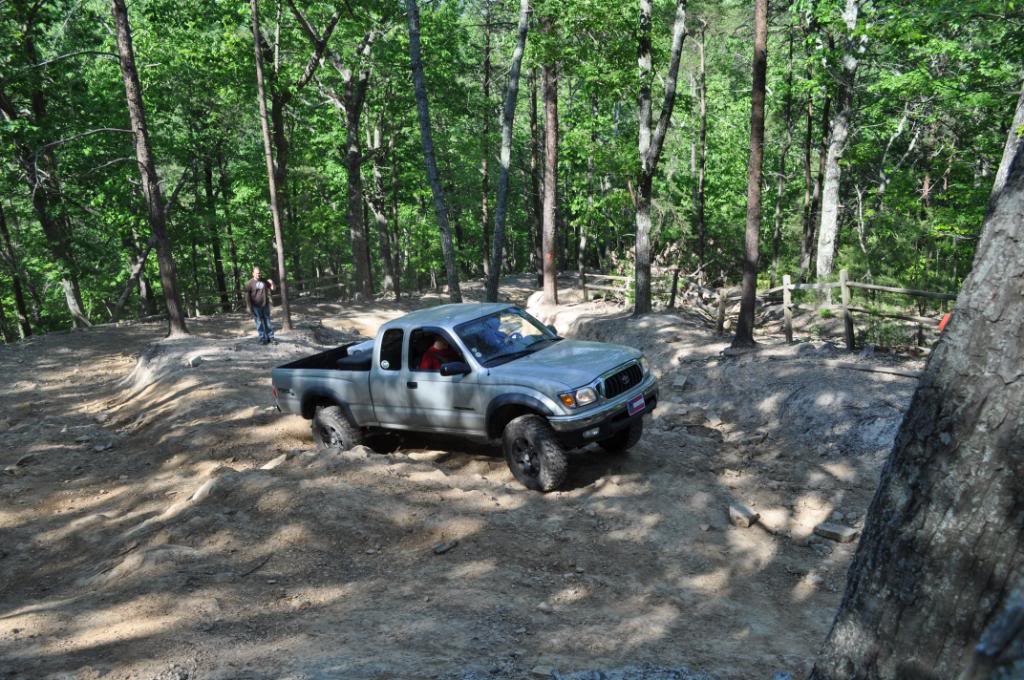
(159, 519)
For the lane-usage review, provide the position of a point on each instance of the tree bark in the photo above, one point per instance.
(268, 154)
(940, 554)
(505, 158)
(781, 179)
(213, 232)
(1013, 143)
(828, 231)
(377, 203)
(810, 233)
(536, 211)
(156, 209)
(224, 182)
(651, 142)
(701, 152)
(423, 110)
(21, 310)
(745, 324)
(485, 155)
(549, 228)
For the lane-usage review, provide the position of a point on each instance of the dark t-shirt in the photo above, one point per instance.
(257, 292)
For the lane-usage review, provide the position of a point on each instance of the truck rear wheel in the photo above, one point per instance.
(533, 455)
(331, 429)
(624, 439)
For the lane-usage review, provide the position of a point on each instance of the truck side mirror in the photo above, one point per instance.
(552, 328)
(455, 368)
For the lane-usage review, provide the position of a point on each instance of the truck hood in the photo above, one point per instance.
(571, 362)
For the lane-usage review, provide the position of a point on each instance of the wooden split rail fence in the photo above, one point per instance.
(620, 287)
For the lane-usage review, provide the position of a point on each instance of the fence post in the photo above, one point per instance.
(847, 318)
(721, 311)
(787, 308)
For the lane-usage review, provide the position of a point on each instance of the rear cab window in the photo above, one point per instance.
(391, 349)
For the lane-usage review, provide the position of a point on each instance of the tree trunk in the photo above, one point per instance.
(213, 231)
(940, 555)
(781, 179)
(702, 153)
(745, 324)
(225, 196)
(651, 142)
(354, 211)
(828, 231)
(548, 229)
(507, 115)
(810, 233)
(377, 203)
(485, 155)
(429, 160)
(1013, 142)
(24, 326)
(536, 211)
(156, 209)
(268, 154)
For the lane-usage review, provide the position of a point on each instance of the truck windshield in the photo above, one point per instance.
(504, 336)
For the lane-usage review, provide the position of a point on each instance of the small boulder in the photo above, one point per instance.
(742, 516)
(836, 532)
(276, 462)
(442, 548)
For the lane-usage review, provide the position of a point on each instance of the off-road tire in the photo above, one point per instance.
(624, 439)
(331, 429)
(534, 456)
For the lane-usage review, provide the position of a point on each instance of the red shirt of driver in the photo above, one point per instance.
(433, 358)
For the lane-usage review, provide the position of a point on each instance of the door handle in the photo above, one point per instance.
(411, 384)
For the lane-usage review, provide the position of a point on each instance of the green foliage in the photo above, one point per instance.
(935, 92)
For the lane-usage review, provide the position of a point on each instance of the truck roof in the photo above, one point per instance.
(447, 315)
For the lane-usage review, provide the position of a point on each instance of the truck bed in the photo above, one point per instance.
(337, 358)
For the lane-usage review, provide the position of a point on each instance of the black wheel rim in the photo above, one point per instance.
(525, 457)
(328, 436)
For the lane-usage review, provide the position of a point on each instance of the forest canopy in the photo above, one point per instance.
(928, 90)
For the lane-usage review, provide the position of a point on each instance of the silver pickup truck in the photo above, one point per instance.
(484, 371)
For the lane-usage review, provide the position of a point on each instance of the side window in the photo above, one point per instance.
(428, 349)
(391, 350)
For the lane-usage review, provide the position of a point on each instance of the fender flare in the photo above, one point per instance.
(313, 397)
(500, 402)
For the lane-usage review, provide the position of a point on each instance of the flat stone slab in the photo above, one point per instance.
(742, 516)
(836, 532)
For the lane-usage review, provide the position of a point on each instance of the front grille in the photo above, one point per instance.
(624, 380)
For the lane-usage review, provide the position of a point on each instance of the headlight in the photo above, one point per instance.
(580, 397)
(646, 367)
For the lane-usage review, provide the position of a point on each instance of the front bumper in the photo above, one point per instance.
(606, 419)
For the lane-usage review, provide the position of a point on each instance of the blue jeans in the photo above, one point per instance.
(261, 315)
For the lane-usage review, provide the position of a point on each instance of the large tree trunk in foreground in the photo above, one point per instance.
(549, 228)
(505, 158)
(829, 229)
(156, 208)
(650, 142)
(429, 160)
(941, 550)
(745, 324)
(268, 154)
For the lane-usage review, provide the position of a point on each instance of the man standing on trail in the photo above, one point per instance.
(257, 301)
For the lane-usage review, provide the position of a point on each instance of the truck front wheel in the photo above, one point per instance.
(533, 455)
(331, 429)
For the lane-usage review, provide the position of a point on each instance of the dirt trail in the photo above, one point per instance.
(140, 536)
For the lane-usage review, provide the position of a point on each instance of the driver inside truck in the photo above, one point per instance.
(440, 352)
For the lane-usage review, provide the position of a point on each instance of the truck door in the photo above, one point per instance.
(387, 380)
(438, 402)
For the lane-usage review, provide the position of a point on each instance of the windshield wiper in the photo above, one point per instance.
(508, 356)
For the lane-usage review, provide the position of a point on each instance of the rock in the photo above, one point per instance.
(679, 383)
(542, 671)
(276, 462)
(705, 527)
(836, 532)
(25, 460)
(194, 361)
(520, 631)
(102, 418)
(742, 516)
(442, 548)
(836, 516)
(103, 447)
(545, 607)
(782, 675)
